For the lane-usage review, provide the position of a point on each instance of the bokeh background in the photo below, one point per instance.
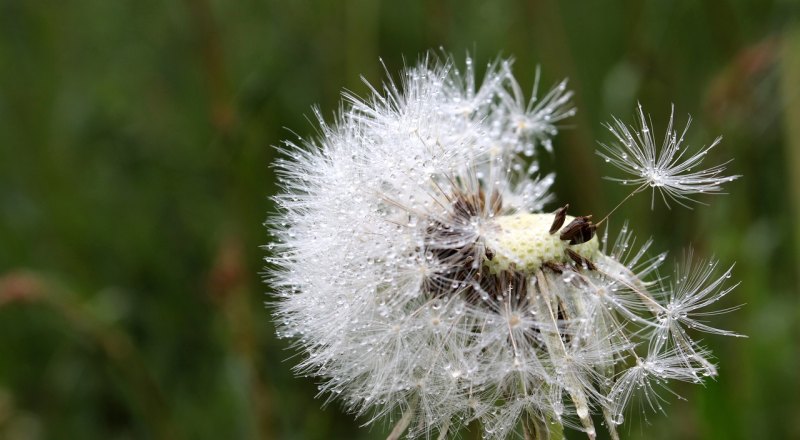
(135, 147)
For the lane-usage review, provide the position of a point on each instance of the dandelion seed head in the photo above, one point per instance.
(422, 280)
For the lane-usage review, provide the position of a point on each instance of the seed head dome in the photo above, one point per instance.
(422, 278)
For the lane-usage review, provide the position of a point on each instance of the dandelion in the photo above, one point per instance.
(421, 278)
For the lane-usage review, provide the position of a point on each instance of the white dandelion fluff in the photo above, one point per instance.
(673, 169)
(419, 276)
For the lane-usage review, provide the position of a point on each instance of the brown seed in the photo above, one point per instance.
(580, 260)
(558, 221)
(555, 267)
(495, 202)
(580, 230)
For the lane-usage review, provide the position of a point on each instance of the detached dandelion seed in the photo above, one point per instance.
(420, 276)
(671, 170)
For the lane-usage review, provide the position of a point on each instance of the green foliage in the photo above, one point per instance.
(135, 143)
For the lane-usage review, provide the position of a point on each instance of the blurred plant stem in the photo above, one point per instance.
(24, 287)
(229, 281)
(550, 38)
(231, 292)
(222, 109)
(790, 83)
(361, 26)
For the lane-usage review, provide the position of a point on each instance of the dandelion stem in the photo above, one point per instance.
(443, 430)
(546, 301)
(636, 191)
(533, 429)
(404, 421)
(526, 430)
(610, 424)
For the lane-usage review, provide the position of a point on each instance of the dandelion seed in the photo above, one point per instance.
(671, 170)
(419, 275)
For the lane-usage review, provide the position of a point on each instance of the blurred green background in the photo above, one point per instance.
(135, 143)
